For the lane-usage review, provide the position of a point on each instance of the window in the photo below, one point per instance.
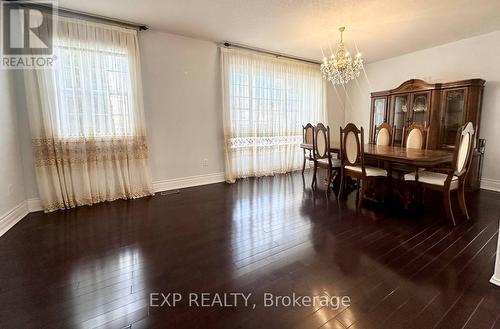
(266, 103)
(87, 118)
(261, 100)
(93, 88)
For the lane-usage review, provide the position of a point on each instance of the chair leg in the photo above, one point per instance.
(314, 181)
(304, 166)
(341, 187)
(361, 193)
(335, 174)
(461, 200)
(357, 190)
(330, 176)
(447, 206)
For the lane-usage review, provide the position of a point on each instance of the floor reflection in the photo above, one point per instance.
(266, 212)
(115, 277)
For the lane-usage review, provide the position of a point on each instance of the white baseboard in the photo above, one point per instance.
(495, 280)
(34, 204)
(178, 183)
(490, 184)
(13, 216)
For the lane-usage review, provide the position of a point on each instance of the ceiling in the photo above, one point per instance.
(379, 28)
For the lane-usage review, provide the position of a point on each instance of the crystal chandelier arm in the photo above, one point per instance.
(340, 68)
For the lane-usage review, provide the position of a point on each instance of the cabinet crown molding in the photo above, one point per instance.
(418, 84)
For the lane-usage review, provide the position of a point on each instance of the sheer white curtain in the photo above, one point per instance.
(86, 117)
(266, 100)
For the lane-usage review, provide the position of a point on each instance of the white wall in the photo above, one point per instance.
(336, 110)
(24, 137)
(181, 82)
(11, 171)
(477, 57)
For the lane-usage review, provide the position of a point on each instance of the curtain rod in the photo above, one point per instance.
(80, 14)
(228, 44)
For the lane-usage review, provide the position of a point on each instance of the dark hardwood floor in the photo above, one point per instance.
(96, 266)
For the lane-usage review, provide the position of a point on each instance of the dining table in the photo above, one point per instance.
(388, 156)
(421, 158)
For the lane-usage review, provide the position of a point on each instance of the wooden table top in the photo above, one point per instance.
(414, 157)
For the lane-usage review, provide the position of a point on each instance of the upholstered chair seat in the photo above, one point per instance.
(432, 178)
(335, 162)
(370, 171)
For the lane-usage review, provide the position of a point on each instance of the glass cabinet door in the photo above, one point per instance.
(452, 116)
(379, 115)
(420, 107)
(400, 116)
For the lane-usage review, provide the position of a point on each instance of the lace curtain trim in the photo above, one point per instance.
(269, 141)
(68, 204)
(52, 151)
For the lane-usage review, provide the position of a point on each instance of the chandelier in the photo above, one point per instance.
(340, 68)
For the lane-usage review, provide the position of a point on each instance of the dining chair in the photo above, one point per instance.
(307, 138)
(322, 155)
(384, 135)
(352, 160)
(453, 177)
(415, 136)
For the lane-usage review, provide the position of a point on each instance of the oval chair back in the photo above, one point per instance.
(351, 146)
(307, 134)
(321, 142)
(307, 139)
(415, 136)
(383, 135)
(462, 157)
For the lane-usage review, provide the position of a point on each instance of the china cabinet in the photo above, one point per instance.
(442, 107)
